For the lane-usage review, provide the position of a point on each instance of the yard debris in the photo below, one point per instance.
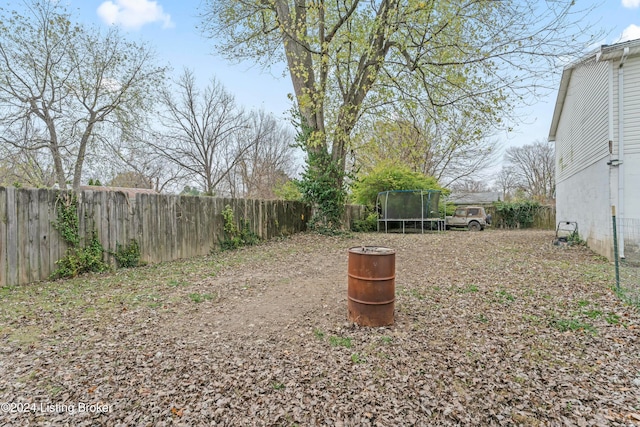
(527, 334)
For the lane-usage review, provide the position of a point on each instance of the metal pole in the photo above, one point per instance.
(615, 247)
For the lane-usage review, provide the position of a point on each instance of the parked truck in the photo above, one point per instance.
(472, 217)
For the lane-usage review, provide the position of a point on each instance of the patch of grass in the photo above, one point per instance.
(198, 298)
(358, 358)
(597, 272)
(336, 341)
(629, 295)
(564, 325)
(25, 335)
(612, 319)
(277, 386)
(174, 283)
(593, 314)
(534, 320)
(386, 340)
(482, 318)
(54, 390)
(504, 296)
(583, 303)
(150, 299)
(7, 290)
(468, 289)
(519, 380)
(415, 293)
(318, 334)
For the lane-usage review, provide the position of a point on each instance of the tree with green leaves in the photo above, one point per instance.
(349, 58)
(60, 82)
(453, 149)
(387, 176)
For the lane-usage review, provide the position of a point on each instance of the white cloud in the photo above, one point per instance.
(631, 4)
(133, 14)
(632, 32)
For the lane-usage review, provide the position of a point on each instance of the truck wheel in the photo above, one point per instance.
(474, 226)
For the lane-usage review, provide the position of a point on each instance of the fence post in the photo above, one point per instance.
(615, 247)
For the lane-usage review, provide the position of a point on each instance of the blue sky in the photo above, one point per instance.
(171, 26)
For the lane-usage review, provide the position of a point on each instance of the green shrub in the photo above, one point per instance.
(288, 191)
(127, 256)
(389, 176)
(234, 236)
(369, 223)
(321, 184)
(77, 260)
(515, 214)
(67, 222)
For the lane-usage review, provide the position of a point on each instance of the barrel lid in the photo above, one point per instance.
(372, 250)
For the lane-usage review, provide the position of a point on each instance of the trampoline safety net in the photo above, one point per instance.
(408, 204)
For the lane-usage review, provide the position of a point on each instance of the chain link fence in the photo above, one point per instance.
(628, 265)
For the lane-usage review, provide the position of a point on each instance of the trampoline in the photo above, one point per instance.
(409, 211)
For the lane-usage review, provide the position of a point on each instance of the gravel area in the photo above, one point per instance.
(491, 328)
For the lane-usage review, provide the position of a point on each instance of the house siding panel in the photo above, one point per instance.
(583, 131)
(586, 119)
(584, 198)
(632, 105)
(632, 179)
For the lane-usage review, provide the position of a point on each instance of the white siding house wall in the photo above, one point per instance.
(583, 131)
(632, 137)
(585, 199)
(632, 106)
(582, 150)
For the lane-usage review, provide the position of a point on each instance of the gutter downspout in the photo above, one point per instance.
(621, 151)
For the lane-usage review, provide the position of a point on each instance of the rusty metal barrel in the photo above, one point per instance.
(372, 285)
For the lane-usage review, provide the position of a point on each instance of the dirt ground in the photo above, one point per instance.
(491, 328)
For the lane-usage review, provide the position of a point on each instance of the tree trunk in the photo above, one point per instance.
(82, 150)
(55, 153)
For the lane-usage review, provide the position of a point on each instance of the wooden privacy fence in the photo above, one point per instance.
(166, 227)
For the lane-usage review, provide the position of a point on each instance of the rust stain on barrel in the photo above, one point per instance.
(371, 288)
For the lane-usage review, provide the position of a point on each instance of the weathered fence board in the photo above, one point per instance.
(3, 233)
(166, 227)
(12, 236)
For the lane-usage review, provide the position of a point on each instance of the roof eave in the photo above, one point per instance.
(604, 53)
(562, 94)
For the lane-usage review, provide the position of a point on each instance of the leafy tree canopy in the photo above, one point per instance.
(391, 176)
(349, 59)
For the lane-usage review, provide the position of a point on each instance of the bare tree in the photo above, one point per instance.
(470, 186)
(506, 182)
(60, 81)
(202, 131)
(451, 149)
(25, 167)
(533, 167)
(268, 163)
(132, 154)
